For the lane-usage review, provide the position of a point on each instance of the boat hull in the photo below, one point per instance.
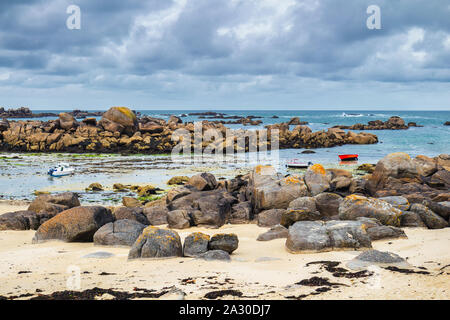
(348, 157)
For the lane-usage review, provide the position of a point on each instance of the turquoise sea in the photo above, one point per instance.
(21, 175)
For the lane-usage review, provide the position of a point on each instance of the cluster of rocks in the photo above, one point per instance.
(22, 112)
(121, 131)
(155, 242)
(248, 120)
(393, 123)
(318, 211)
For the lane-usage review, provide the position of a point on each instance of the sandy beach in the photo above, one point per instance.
(260, 270)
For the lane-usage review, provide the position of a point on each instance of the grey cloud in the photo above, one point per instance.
(162, 47)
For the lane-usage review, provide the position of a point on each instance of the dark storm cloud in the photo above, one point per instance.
(164, 47)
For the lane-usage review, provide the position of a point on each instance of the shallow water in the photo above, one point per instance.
(22, 174)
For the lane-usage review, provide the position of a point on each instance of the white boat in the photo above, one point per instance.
(297, 164)
(62, 169)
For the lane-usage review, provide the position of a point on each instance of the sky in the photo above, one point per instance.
(225, 54)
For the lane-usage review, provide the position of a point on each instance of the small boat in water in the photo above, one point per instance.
(297, 164)
(62, 169)
(348, 157)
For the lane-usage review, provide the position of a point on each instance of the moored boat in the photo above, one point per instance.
(62, 169)
(297, 164)
(348, 157)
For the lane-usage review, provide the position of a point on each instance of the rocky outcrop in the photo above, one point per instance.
(318, 236)
(22, 112)
(393, 123)
(120, 130)
(118, 233)
(156, 243)
(78, 224)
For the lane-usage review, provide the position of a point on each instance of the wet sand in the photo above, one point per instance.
(260, 270)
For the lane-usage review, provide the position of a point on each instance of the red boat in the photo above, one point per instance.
(348, 157)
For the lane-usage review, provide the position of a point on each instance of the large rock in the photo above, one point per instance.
(118, 233)
(195, 244)
(441, 208)
(316, 179)
(156, 243)
(431, 219)
(385, 232)
(67, 121)
(355, 206)
(328, 204)
(276, 232)
(119, 119)
(358, 186)
(78, 224)
(411, 219)
(241, 213)
(179, 219)
(398, 202)
(269, 190)
(23, 220)
(176, 193)
(269, 218)
(443, 160)
(203, 181)
(215, 255)
(395, 165)
(156, 215)
(377, 231)
(441, 179)
(208, 208)
(135, 214)
(225, 242)
(301, 209)
(130, 202)
(178, 180)
(425, 166)
(317, 236)
(54, 203)
(379, 257)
